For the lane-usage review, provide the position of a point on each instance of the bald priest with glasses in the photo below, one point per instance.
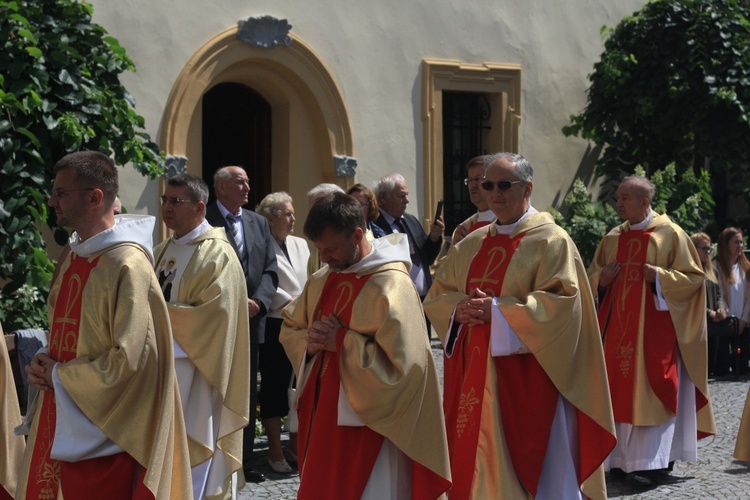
(526, 399)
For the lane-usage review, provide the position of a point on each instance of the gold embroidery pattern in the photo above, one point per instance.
(346, 293)
(67, 341)
(468, 400)
(632, 271)
(465, 409)
(47, 472)
(625, 354)
(633, 276)
(491, 268)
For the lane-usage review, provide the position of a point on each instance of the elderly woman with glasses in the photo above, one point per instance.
(716, 308)
(292, 254)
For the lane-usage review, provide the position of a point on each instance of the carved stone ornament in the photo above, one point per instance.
(264, 32)
(175, 165)
(344, 166)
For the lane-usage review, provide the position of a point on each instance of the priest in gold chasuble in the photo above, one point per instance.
(368, 398)
(207, 306)
(527, 405)
(649, 284)
(107, 421)
(742, 445)
(11, 446)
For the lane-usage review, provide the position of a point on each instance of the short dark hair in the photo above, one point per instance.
(93, 170)
(196, 187)
(339, 211)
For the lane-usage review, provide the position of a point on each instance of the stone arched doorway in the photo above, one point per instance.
(309, 120)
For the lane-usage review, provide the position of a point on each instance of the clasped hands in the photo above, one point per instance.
(611, 270)
(474, 309)
(39, 372)
(321, 335)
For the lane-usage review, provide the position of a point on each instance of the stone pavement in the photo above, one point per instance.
(715, 475)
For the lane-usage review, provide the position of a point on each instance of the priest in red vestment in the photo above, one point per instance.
(652, 301)
(368, 397)
(527, 406)
(107, 421)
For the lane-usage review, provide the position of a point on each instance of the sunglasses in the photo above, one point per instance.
(501, 185)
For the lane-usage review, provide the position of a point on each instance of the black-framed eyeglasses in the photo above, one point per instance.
(472, 179)
(59, 193)
(173, 200)
(501, 185)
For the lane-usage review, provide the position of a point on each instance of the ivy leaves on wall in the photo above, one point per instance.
(59, 92)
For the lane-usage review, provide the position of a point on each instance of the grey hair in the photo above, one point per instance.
(522, 166)
(223, 173)
(643, 185)
(323, 189)
(387, 184)
(270, 206)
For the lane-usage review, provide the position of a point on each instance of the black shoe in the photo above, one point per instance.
(638, 479)
(617, 474)
(253, 476)
(659, 476)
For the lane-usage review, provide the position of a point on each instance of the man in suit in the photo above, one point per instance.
(393, 197)
(250, 236)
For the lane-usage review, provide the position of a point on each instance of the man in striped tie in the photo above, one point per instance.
(250, 236)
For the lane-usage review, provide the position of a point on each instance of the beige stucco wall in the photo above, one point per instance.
(374, 52)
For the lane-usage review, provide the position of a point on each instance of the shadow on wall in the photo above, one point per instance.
(586, 171)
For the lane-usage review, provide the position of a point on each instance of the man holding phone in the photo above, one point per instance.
(393, 197)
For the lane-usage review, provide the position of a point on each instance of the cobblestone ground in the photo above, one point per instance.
(715, 475)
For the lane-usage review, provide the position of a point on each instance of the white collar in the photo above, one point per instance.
(509, 228)
(642, 225)
(189, 237)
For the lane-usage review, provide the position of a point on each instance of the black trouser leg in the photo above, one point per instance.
(248, 434)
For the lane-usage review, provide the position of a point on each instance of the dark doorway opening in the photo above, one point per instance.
(466, 126)
(237, 131)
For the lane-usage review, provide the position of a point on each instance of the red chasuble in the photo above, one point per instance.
(326, 449)
(619, 318)
(112, 477)
(526, 420)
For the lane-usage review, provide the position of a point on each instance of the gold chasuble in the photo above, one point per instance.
(499, 409)
(11, 446)
(211, 325)
(642, 367)
(742, 446)
(110, 333)
(385, 368)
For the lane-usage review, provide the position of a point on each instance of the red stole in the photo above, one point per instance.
(479, 224)
(325, 448)
(76, 479)
(526, 420)
(619, 317)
